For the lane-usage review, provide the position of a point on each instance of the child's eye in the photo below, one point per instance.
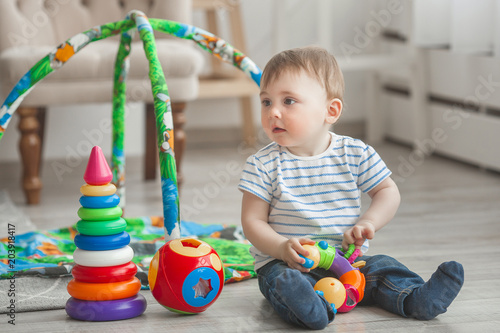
(266, 102)
(289, 101)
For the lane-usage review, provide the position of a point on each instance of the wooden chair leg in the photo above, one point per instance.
(151, 154)
(30, 148)
(249, 135)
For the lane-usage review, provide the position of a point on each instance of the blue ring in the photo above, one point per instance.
(107, 201)
(102, 243)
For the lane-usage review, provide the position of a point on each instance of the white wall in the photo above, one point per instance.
(301, 27)
(67, 133)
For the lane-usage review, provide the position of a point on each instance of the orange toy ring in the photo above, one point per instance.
(98, 190)
(104, 291)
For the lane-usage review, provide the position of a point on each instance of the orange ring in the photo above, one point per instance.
(104, 291)
(356, 279)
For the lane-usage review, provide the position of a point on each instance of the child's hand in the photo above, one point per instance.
(357, 235)
(289, 252)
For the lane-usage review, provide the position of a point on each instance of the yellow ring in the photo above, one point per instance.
(98, 190)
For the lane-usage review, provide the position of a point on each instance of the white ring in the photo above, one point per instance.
(103, 258)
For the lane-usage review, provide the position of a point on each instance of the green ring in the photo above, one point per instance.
(349, 251)
(99, 214)
(101, 228)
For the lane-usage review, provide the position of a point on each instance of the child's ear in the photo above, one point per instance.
(334, 111)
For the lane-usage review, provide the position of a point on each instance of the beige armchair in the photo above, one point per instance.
(30, 29)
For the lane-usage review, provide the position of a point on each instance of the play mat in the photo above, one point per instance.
(44, 256)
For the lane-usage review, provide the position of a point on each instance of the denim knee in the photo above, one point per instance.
(307, 309)
(388, 282)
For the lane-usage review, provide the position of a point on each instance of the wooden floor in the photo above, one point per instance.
(449, 211)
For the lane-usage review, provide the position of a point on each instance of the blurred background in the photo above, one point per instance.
(422, 86)
(420, 73)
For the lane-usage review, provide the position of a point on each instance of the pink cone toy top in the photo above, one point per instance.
(98, 171)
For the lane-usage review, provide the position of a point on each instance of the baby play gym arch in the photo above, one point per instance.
(163, 112)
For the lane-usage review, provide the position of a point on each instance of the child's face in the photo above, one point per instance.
(296, 113)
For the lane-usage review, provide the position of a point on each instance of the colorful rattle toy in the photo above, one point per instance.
(186, 276)
(346, 292)
(104, 285)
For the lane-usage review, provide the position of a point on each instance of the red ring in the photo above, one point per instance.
(104, 274)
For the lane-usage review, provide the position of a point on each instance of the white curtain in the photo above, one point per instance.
(464, 26)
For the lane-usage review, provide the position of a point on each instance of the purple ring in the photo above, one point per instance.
(117, 309)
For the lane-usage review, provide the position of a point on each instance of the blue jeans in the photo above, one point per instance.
(292, 296)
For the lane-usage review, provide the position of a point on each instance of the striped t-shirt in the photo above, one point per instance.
(317, 197)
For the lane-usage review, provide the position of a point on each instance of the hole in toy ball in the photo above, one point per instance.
(202, 288)
(350, 298)
(191, 243)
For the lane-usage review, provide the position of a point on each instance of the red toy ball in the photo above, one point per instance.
(186, 276)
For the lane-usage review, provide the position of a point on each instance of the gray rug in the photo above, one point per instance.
(33, 294)
(27, 293)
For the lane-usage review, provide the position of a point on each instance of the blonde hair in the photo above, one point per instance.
(316, 61)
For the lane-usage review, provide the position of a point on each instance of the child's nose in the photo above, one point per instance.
(275, 112)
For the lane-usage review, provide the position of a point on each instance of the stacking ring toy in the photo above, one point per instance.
(98, 190)
(99, 214)
(104, 291)
(119, 309)
(102, 243)
(100, 202)
(103, 258)
(104, 274)
(101, 228)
